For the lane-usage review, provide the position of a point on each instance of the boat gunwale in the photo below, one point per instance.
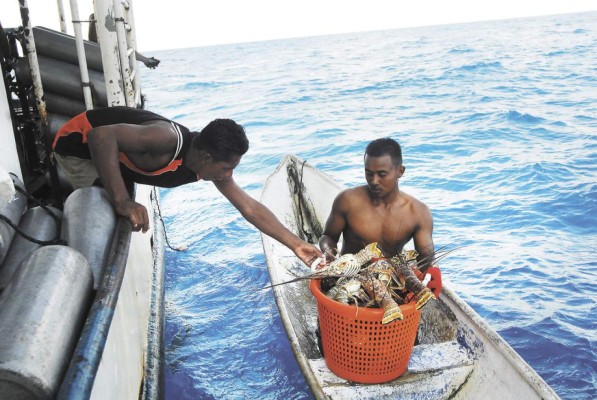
(455, 302)
(153, 377)
(295, 343)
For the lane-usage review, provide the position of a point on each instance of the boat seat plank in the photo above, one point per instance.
(436, 370)
(432, 357)
(438, 384)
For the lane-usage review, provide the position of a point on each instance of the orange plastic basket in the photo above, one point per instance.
(357, 346)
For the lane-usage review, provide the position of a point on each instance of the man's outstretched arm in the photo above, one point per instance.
(150, 62)
(264, 220)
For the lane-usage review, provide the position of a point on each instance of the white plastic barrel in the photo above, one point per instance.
(13, 210)
(42, 311)
(88, 224)
(40, 225)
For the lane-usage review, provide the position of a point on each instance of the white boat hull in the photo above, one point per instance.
(123, 365)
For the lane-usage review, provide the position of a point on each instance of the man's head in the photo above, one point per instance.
(383, 166)
(385, 146)
(223, 139)
(217, 149)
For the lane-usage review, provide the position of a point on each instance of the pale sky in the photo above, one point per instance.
(170, 24)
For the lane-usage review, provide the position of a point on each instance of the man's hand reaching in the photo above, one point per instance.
(308, 253)
(151, 62)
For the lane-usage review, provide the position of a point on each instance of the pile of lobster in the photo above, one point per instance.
(371, 280)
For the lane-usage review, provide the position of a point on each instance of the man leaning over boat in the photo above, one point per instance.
(116, 146)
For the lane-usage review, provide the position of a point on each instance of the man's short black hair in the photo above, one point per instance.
(385, 146)
(223, 139)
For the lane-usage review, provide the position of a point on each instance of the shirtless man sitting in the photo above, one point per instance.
(379, 211)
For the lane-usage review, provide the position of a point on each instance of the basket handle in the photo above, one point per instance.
(435, 284)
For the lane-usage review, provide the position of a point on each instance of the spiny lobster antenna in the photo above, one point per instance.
(316, 275)
(323, 274)
(434, 258)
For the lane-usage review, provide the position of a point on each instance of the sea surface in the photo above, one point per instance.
(498, 124)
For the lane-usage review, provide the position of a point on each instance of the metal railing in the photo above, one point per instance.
(116, 36)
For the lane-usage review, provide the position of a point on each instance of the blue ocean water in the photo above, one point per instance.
(498, 123)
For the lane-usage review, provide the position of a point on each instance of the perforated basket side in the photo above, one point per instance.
(358, 347)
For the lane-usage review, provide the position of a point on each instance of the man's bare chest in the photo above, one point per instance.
(392, 229)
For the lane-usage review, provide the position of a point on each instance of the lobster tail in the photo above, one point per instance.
(423, 297)
(391, 313)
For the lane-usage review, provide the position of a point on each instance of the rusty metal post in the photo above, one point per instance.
(127, 55)
(33, 63)
(107, 39)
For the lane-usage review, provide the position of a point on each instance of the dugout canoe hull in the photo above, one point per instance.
(459, 356)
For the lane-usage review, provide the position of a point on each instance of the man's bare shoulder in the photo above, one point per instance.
(156, 123)
(158, 127)
(352, 197)
(415, 203)
(155, 126)
(352, 194)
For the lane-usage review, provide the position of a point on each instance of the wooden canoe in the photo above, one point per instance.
(458, 355)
